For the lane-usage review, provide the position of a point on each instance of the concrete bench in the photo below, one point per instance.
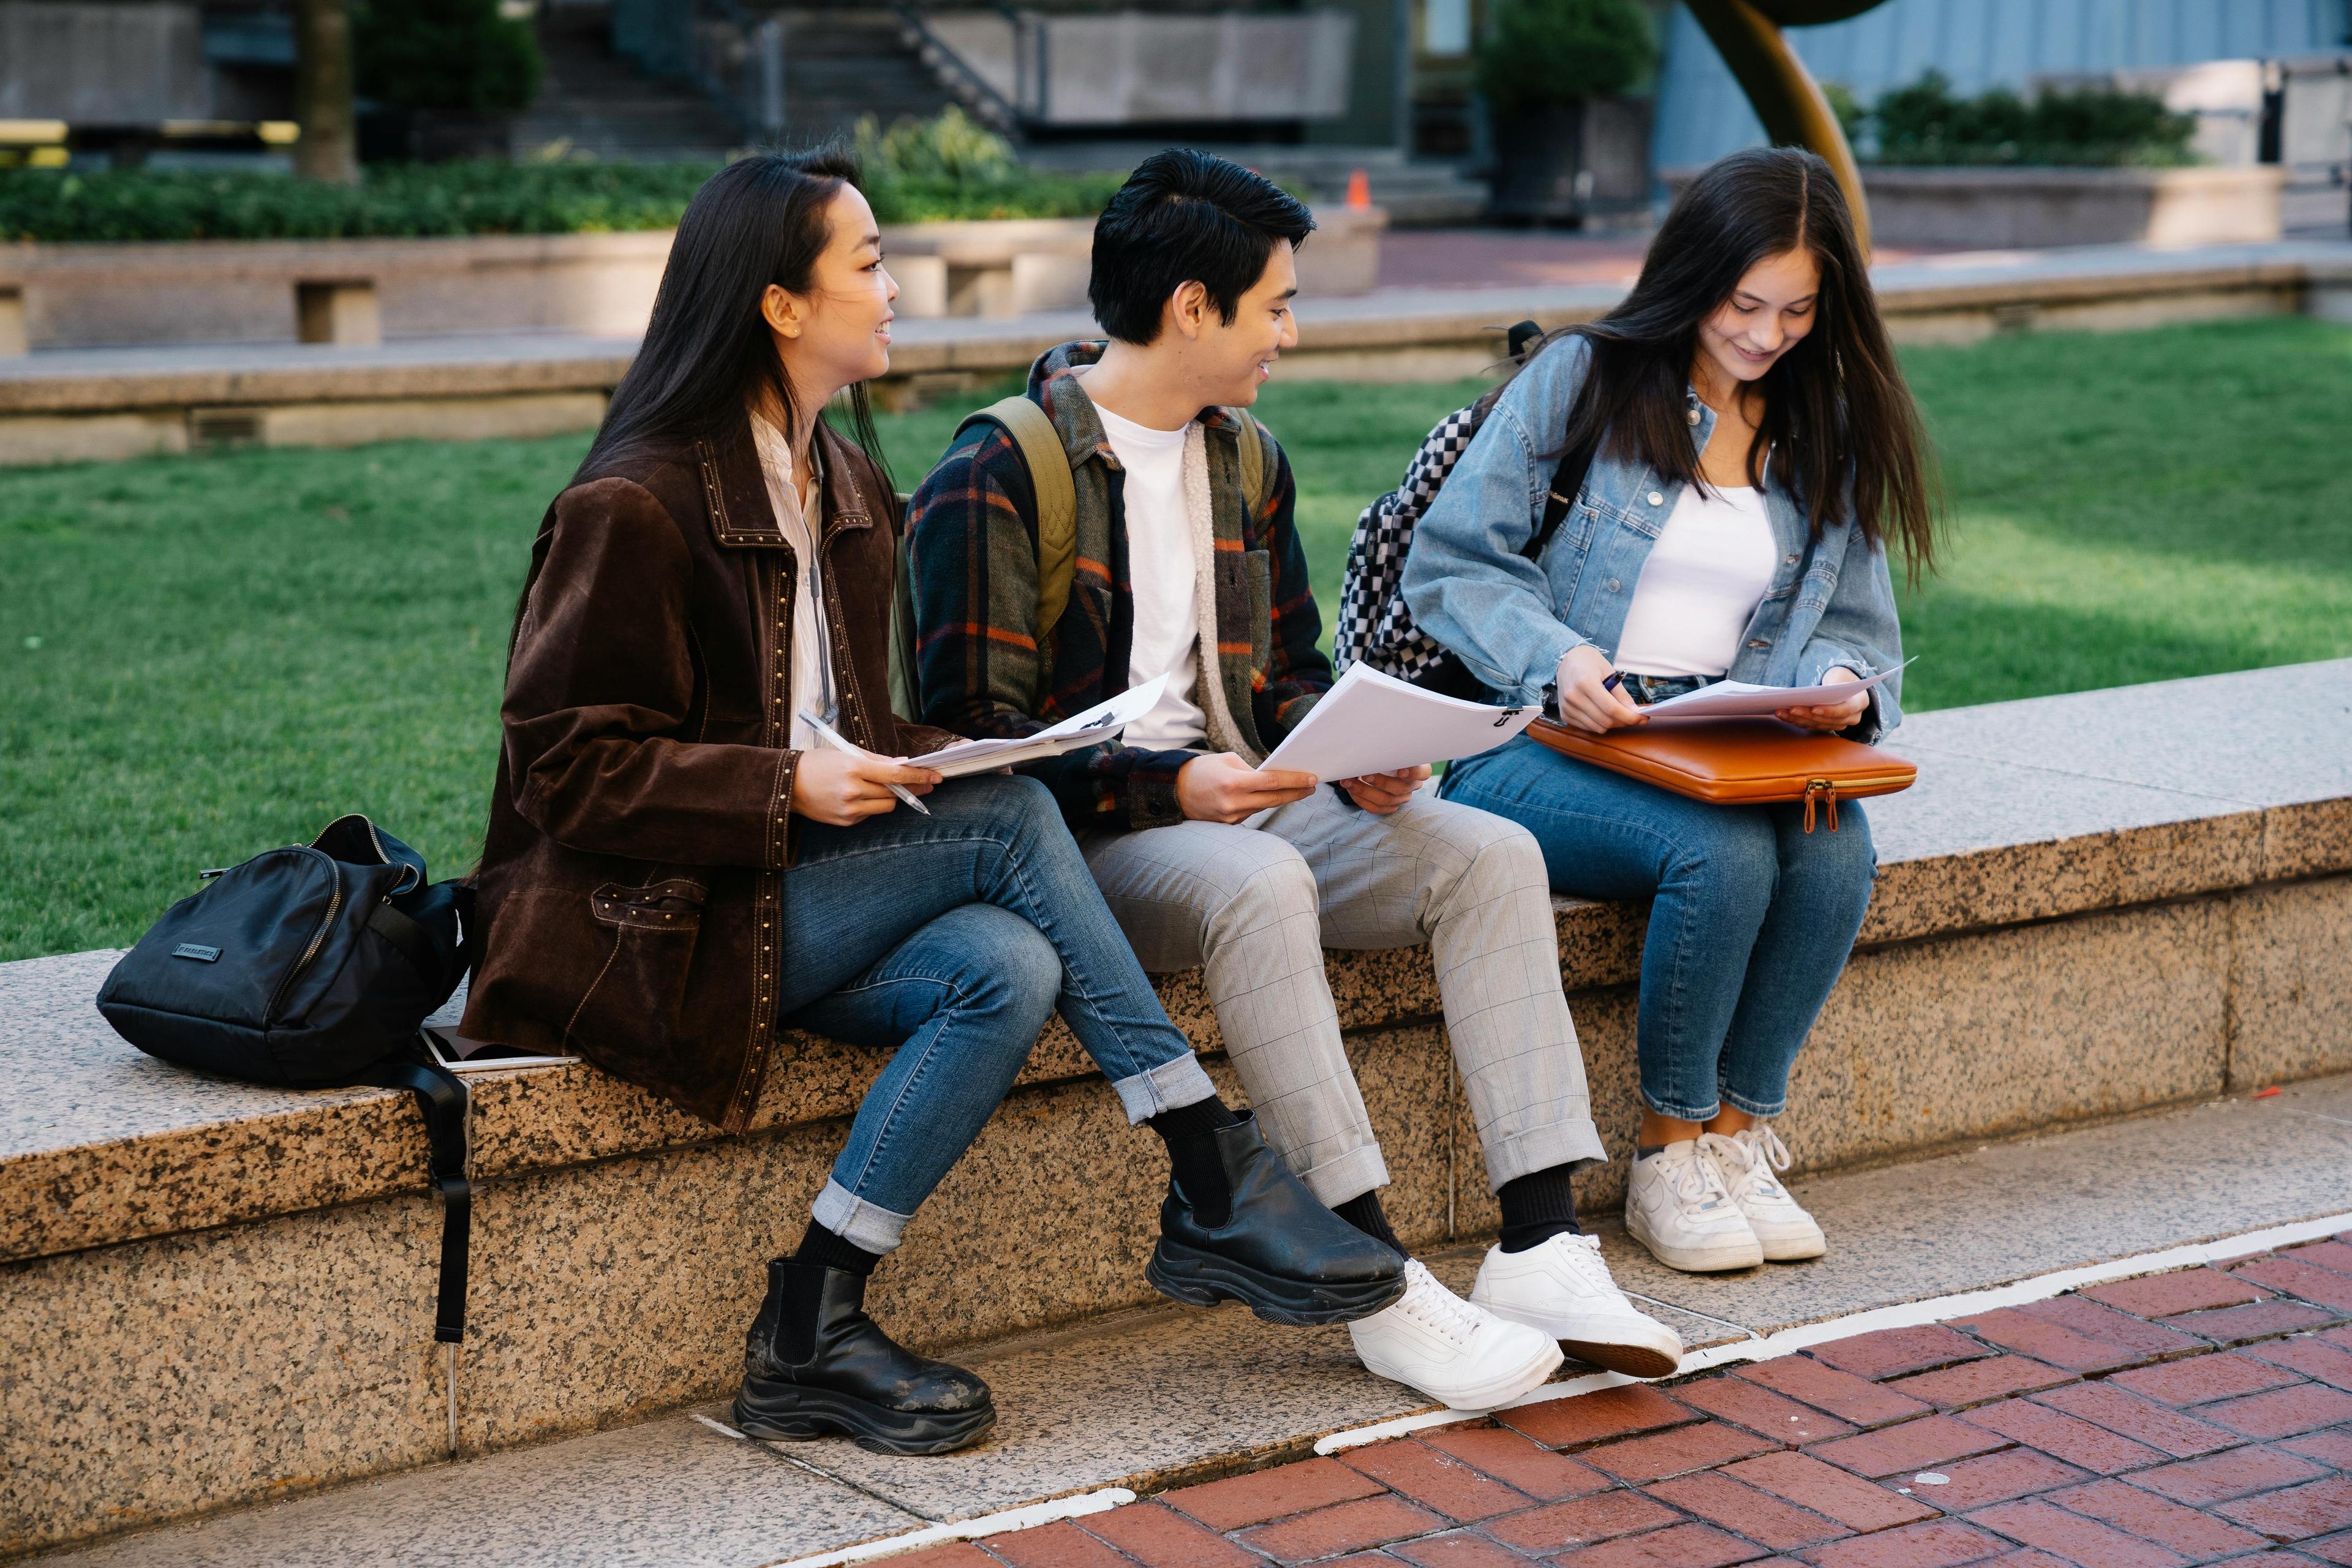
(2090, 905)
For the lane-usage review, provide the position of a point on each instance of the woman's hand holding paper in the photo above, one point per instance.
(1838, 716)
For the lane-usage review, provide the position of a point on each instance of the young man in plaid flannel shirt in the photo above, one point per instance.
(1205, 858)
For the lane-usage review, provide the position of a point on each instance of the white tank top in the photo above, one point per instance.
(1710, 568)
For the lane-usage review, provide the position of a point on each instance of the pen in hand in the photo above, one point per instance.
(833, 738)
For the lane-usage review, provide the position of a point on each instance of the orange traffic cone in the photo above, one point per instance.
(1360, 189)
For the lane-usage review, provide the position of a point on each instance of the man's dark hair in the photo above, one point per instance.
(1186, 217)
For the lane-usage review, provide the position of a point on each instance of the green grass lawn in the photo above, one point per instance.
(202, 656)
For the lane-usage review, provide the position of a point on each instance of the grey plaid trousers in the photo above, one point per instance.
(1255, 904)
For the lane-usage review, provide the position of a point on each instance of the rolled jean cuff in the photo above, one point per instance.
(1350, 1175)
(1572, 1141)
(1755, 1107)
(1676, 1111)
(856, 1221)
(1172, 1084)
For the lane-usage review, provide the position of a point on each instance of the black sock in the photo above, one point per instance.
(820, 1246)
(1364, 1212)
(1643, 1150)
(1191, 1135)
(1537, 1208)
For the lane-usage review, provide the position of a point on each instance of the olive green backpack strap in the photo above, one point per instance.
(1257, 465)
(1049, 461)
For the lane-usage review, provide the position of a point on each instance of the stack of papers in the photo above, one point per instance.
(1374, 723)
(1097, 725)
(1739, 699)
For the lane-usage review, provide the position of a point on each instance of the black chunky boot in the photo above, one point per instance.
(815, 1363)
(1279, 1252)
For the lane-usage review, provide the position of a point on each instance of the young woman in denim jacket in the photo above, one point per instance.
(1757, 452)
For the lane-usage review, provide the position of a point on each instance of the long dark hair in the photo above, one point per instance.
(707, 355)
(1835, 405)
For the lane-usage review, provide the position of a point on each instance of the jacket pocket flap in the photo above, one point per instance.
(672, 905)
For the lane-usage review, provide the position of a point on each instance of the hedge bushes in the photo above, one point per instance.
(393, 200)
(2089, 127)
(404, 200)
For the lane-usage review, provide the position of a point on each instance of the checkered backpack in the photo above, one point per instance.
(1375, 624)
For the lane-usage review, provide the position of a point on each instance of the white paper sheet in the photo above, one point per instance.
(1374, 723)
(1101, 722)
(1738, 700)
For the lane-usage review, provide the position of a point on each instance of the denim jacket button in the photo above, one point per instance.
(1691, 415)
(1656, 499)
(1613, 584)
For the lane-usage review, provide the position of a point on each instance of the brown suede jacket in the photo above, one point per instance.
(641, 828)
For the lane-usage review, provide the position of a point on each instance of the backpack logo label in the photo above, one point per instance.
(197, 951)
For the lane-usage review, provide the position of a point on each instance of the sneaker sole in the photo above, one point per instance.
(1794, 1248)
(1491, 1395)
(1633, 1361)
(1201, 1279)
(789, 1413)
(1629, 1357)
(1696, 1261)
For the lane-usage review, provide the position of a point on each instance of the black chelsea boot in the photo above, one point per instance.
(1280, 1252)
(815, 1363)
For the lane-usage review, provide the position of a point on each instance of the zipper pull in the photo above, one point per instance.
(1816, 792)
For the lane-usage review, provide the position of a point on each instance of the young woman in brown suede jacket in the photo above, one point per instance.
(677, 864)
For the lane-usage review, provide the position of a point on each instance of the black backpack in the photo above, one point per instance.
(1375, 626)
(315, 966)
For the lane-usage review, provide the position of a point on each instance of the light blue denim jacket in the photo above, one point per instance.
(1511, 619)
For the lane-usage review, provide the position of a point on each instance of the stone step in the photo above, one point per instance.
(1151, 1400)
(2084, 909)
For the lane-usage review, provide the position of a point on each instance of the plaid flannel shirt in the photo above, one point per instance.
(972, 550)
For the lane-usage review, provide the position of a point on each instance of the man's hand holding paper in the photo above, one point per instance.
(1370, 730)
(1224, 787)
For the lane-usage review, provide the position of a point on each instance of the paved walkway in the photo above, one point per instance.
(2194, 1417)
(1505, 259)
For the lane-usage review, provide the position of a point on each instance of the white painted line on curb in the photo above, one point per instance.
(1021, 1518)
(1904, 1315)
(1787, 1342)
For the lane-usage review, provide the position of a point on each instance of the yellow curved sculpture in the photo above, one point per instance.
(1747, 33)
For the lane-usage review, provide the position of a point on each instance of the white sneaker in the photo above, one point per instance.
(1431, 1340)
(1562, 1287)
(1745, 1161)
(1677, 1206)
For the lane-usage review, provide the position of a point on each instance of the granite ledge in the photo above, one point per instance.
(105, 1145)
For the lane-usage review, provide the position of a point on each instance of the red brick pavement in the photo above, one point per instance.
(2199, 1417)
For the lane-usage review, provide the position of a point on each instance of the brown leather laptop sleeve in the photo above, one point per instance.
(1738, 761)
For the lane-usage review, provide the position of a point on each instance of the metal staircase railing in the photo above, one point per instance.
(957, 74)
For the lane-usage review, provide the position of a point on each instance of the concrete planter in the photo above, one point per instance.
(1584, 163)
(227, 291)
(367, 290)
(1987, 209)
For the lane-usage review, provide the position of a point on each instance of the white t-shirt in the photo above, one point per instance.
(812, 672)
(1710, 568)
(1160, 568)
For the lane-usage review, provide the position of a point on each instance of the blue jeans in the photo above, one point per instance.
(1751, 920)
(949, 939)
